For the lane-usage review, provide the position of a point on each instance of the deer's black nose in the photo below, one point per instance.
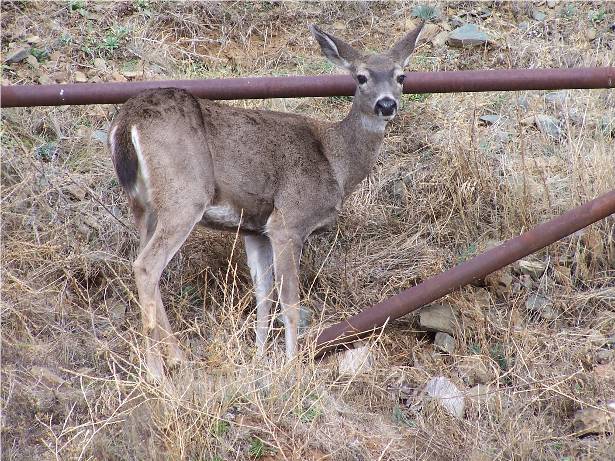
(385, 107)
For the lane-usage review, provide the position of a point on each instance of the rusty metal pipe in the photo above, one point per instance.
(369, 320)
(301, 86)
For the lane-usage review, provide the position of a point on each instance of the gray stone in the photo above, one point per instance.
(542, 306)
(551, 3)
(467, 35)
(594, 420)
(100, 136)
(31, 59)
(355, 361)
(490, 119)
(591, 34)
(447, 395)
(472, 370)
(444, 342)
(548, 125)
(400, 192)
(523, 102)
(605, 355)
(557, 98)
(17, 55)
(440, 39)
(438, 317)
(538, 15)
(535, 269)
(100, 64)
(80, 77)
(524, 26)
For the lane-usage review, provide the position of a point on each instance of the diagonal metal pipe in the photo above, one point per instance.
(375, 317)
(303, 86)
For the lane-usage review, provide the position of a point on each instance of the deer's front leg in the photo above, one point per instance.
(286, 247)
(260, 260)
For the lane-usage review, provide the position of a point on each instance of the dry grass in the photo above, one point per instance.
(72, 373)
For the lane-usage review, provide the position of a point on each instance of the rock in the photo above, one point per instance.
(591, 34)
(444, 342)
(551, 3)
(607, 125)
(438, 317)
(467, 35)
(33, 39)
(535, 269)
(17, 55)
(80, 77)
(47, 375)
(595, 420)
(75, 191)
(605, 356)
(132, 69)
(472, 370)
(59, 77)
(562, 274)
(100, 64)
(557, 98)
(116, 309)
(501, 280)
(546, 124)
(480, 394)
(440, 40)
(538, 15)
(524, 26)
(490, 119)
(44, 79)
(542, 306)
(31, 59)
(116, 76)
(443, 391)
(355, 361)
(400, 192)
(100, 136)
(428, 33)
(605, 372)
(523, 102)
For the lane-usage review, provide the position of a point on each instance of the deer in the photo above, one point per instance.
(274, 177)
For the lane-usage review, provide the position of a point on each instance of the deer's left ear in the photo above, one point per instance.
(402, 50)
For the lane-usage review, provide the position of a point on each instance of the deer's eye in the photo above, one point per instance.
(362, 79)
(401, 78)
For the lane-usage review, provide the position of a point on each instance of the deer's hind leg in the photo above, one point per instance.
(171, 231)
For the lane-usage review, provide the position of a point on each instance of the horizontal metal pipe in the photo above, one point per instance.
(301, 86)
(435, 287)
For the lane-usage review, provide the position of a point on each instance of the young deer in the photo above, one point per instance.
(277, 177)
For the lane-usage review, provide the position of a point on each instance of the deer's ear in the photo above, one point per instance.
(337, 51)
(402, 50)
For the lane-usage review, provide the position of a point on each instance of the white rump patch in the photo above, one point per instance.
(112, 142)
(143, 173)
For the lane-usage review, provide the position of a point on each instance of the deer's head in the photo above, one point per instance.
(379, 77)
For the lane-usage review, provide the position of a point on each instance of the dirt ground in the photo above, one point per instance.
(534, 344)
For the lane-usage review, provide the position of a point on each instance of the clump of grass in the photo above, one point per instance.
(427, 12)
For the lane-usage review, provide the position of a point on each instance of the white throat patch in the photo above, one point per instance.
(374, 124)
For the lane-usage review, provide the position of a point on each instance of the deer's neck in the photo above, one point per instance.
(359, 140)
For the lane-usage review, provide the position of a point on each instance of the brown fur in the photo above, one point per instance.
(276, 177)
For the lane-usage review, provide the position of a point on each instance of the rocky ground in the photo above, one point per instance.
(518, 366)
